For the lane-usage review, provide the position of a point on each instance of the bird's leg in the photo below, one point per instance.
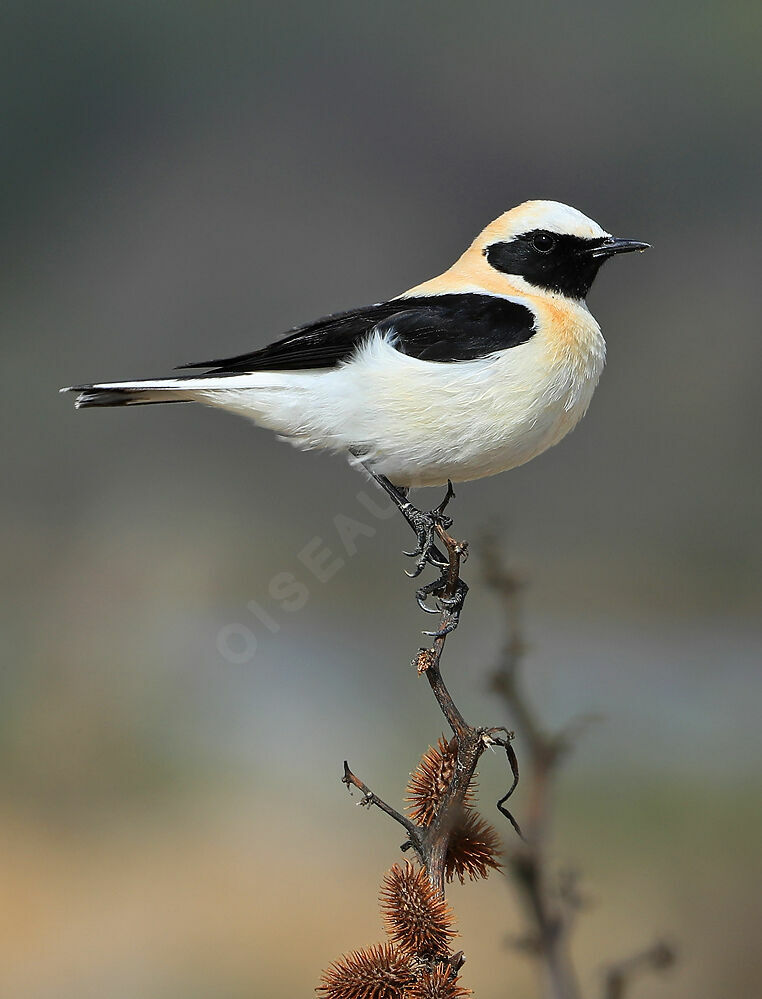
(424, 523)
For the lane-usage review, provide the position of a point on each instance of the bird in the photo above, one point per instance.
(466, 375)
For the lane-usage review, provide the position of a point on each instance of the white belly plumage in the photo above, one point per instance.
(419, 422)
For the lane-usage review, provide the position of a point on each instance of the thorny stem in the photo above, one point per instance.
(427, 660)
(471, 741)
(431, 842)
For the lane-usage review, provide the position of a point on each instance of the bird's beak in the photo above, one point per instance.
(611, 245)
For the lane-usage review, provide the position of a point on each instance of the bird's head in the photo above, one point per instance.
(549, 246)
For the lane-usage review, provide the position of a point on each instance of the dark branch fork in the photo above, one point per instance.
(431, 842)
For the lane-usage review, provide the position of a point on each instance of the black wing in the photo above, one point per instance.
(432, 328)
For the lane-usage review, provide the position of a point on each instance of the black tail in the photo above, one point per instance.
(94, 395)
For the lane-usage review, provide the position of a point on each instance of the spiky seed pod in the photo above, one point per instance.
(378, 972)
(431, 779)
(442, 983)
(474, 848)
(417, 918)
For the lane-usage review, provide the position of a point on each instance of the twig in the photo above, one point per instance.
(431, 842)
(514, 765)
(371, 798)
(427, 661)
(471, 741)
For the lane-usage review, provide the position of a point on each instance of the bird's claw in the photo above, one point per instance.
(452, 604)
(425, 552)
(429, 527)
(423, 593)
(438, 564)
(449, 627)
(425, 524)
(431, 560)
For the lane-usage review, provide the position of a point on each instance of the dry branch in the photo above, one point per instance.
(443, 829)
(550, 902)
(451, 840)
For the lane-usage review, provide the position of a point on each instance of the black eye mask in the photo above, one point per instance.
(549, 260)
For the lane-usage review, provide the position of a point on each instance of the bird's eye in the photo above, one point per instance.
(543, 241)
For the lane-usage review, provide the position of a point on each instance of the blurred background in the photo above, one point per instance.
(185, 180)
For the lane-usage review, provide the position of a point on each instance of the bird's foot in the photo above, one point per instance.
(425, 523)
(429, 526)
(452, 604)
